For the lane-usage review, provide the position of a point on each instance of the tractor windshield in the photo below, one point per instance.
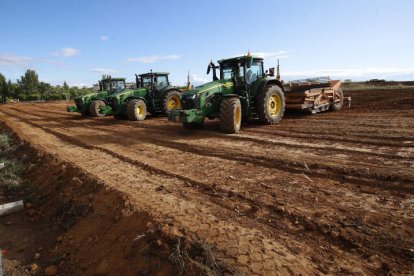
(146, 81)
(231, 70)
(117, 85)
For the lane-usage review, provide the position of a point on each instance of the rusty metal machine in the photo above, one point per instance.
(314, 95)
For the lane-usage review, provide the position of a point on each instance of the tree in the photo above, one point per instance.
(29, 83)
(3, 88)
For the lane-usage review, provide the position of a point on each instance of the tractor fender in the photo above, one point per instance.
(271, 81)
(136, 98)
(231, 96)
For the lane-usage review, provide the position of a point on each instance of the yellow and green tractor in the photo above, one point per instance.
(154, 94)
(90, 104)
(242, 90)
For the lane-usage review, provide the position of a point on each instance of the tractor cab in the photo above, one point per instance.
(243, 71)
(112, 85)
(154, 81)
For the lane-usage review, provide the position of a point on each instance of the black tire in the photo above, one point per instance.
(193, 125)
(172, 100)
(230, 115)
(271, 104)
(338, 106)
(136, 110)
(94, 108)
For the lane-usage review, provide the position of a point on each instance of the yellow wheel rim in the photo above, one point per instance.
(139, 111)
(238, 116)
(174, 103)
(274, 105)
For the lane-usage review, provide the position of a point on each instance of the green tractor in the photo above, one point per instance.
(244, 90)
(90, 104)
(153, 94)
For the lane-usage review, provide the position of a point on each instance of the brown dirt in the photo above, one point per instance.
(329, 193)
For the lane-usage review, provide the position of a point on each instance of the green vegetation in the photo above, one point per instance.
(29, 88)
(10, 175)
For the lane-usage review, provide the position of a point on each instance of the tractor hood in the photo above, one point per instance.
(86, 97)
(128, 92)
(211, 88)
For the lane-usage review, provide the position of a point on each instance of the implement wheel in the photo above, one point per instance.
(230, 115)
(94, 108)
(136, 110)
(338, 94)
(171, 101)
(271, 104)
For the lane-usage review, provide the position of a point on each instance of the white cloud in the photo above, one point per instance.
(66, 52)
(13, 60)
(103, 70)
(269, 55)
(197, 80)
(368, 72)
(104, 38)
(152, 59)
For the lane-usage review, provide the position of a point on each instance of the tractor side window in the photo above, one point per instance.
(161, 82)
(254, 72)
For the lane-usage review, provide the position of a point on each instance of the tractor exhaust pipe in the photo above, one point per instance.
(137, 80)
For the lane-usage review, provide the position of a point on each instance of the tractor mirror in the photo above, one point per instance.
(208, 69)
(271, 72)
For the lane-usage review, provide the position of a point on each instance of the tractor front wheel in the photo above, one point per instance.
(230, 115)
(338, 95)
(271, 104)
(136, 110)
(94, 108)
(171, 101)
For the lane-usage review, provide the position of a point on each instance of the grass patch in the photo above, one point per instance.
(11, 182)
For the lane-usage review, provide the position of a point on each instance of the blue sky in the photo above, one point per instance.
(77, 41)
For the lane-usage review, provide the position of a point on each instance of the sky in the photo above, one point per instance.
(77, 41)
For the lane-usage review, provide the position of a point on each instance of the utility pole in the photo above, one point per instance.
(278, 70)
(188, 81)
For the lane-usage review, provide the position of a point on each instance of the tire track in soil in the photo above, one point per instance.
(349, 175)
(236, 246)
(308, 224)
(108, 121)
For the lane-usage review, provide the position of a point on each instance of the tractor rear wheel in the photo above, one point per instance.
(136, 110)
(230, 115)
(271, 104)
(171, 101)
(338, 94)
(94, 108)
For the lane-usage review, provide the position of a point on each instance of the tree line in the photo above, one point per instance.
(29, 88)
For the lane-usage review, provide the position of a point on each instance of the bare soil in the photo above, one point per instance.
(330, 193)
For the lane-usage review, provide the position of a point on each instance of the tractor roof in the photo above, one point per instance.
(154, 74)
(239, 58)
(114, 79)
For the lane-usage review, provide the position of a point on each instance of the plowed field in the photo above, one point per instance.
(326, 193)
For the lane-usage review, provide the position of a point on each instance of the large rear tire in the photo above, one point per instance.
(271, 104)
(171, 101)
(230, 115)
(338, 105)
(136, 110)
(94, 108)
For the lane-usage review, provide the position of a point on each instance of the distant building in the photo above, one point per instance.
(348, 80)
